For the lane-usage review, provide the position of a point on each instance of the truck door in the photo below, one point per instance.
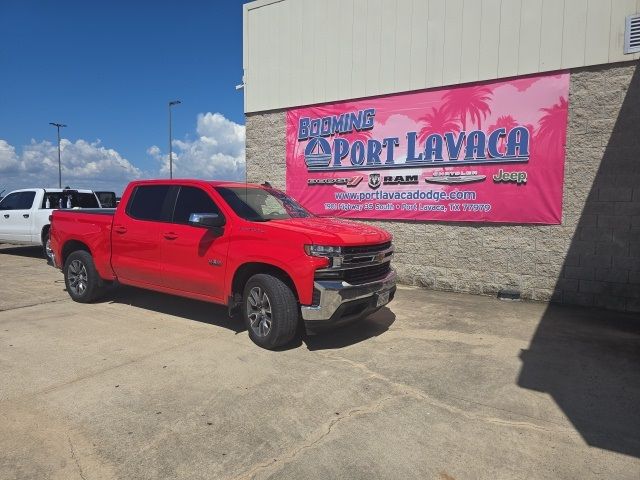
(16, 217)
(194, 258)
(136, 255)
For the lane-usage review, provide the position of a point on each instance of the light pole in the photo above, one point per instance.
(171, 104)
(58, 126)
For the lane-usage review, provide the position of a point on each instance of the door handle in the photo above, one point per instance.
(6, 215)
(119, 229)
(170, 235)
(25, 215)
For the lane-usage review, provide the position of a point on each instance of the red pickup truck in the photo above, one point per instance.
(250, 247)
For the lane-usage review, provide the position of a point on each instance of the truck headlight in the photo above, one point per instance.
(323, 251)
(334, 254)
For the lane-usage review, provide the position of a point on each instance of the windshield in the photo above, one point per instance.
(262, 204)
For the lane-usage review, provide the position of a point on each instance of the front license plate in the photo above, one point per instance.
(383, 299)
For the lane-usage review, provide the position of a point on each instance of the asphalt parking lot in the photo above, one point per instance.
(439, 386)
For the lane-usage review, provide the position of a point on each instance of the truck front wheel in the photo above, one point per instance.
(81, 278)
(270, 311)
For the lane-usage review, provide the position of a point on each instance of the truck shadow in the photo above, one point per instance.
(19, 251)
(217, 315)
(186, 308)
(372, 326)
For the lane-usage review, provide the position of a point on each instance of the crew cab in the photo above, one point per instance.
(24, 214)
(249, 247)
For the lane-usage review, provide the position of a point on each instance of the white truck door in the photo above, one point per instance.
(16, 217)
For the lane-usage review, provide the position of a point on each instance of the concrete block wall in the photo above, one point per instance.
(591, 259)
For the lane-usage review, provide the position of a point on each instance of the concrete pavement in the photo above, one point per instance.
(438, 386)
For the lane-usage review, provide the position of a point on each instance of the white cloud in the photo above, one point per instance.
(8, 159)
(217, 154)
(84, 165)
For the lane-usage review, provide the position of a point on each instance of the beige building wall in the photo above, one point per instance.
(592, 258)
(301, 52)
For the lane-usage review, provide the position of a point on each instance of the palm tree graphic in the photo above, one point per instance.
(553, 124)
(471, 102)
(507, 122)
(438, 120)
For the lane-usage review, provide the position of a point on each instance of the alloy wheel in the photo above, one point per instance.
(47, 249)
(259, 312)
(78, 278)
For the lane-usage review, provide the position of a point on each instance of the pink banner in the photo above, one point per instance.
(487, 152)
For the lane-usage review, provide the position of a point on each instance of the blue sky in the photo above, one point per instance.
(107, 70)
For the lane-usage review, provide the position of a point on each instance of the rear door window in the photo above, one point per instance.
(86, 200)
(150, 202)
(107, 199)
(192, 200)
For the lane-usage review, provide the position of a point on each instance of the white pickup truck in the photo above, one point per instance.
(24, 214)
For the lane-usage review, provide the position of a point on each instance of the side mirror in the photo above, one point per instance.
(206, 220)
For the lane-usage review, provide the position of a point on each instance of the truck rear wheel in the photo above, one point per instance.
(46, 246)
(81, 278)
(270, 311)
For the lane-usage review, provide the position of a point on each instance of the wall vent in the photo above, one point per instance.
(632, 34)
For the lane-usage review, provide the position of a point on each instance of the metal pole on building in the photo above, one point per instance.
(59, 126)
(171, 104)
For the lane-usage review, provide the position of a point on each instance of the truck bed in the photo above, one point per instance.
(88, 226)
(95, 211)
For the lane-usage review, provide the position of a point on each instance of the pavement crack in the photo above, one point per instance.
(317, 437)
(415, 392)
(10, 309)
(75, 459)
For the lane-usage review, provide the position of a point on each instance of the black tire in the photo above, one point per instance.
(83, 283)
(46, 245)
(283, 310)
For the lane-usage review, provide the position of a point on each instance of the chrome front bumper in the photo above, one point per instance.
(335, 294)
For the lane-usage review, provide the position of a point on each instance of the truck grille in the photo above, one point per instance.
(365, 249)
(360, 264)
(367, 274)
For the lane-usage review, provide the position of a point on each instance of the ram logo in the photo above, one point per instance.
(374, 180)
(400, 179)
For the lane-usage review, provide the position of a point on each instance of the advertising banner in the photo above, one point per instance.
(485, 152)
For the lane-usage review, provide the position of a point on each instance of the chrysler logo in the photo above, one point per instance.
(455, 178)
